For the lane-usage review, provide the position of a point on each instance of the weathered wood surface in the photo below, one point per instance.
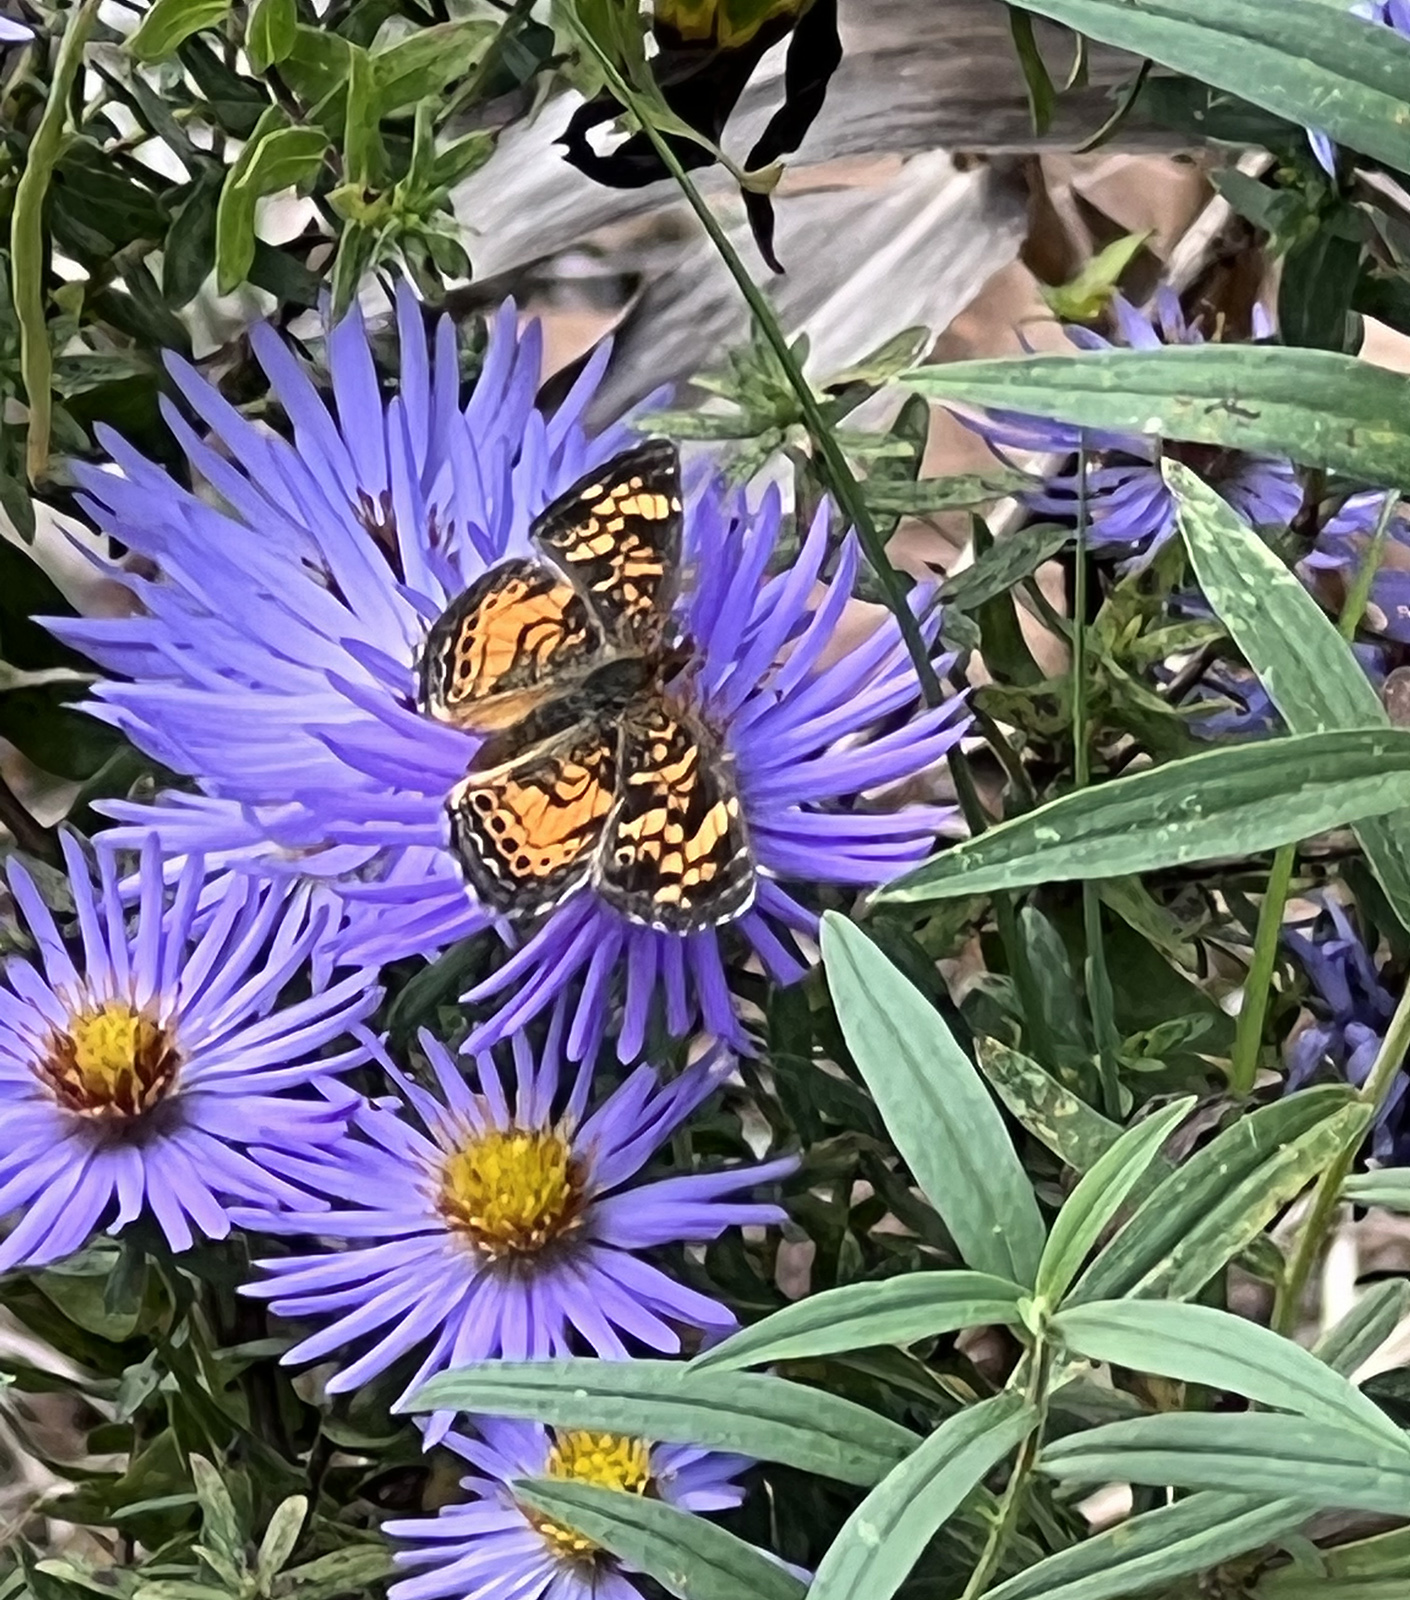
(911, 244)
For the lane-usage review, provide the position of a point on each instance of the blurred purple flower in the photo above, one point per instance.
(14, 32)
(1352, 1007)
(512, 1225)
(489, 1547)
(1394, 14)
(273, 660)
(149, 1075)
(1128, 504)
(1342, 547)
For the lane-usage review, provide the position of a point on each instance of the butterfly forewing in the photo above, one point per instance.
(617, 534)
(518, 634)
(675, 853)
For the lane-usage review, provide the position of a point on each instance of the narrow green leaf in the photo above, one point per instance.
(271, 33)
(420, 66)
(1250, 1453)
(169, 22)
(1312, 64)
(1228, 1190)
(1366, 1327)
(1042, 95)
(857, 1316)
(1389, 1188)
(690, 1557)
(277, 157)
(220, 1526)
(1102, 1192)
(1319, 408)
(1155, 1548)
(28, 244)
(958, 492)
(1233, 801)
(1006, 562)
(280, 1537)
(936, 1107)
(1200, 1344)
(1303, 662)
(1061, 1120)
(665, 1401)
(1366, 1569)
(884, 1537)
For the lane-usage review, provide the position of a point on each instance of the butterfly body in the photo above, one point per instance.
(594, 770)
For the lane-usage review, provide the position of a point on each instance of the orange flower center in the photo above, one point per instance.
(512, 1191)
(609, 1460)
(112, 1062)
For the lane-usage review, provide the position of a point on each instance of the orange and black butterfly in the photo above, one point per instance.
(592, 771)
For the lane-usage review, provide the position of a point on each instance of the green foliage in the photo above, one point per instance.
(1037, 1175)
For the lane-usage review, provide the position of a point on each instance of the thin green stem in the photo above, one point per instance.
(1012, 1502)
(27, 253)
(840, 480)
(1327, 1198)
(1098, 979)
(1360, 591)
(1030, 999)
(1258, 984)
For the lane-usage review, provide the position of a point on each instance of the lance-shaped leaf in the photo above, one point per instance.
(1302, 661)
(935, 1107)
(1321, 409)
(1312, 64)
(1153, 1549)
(1201, 1344)
(1099, 1196)
(688, 1556)
(1223, 1196)
(665, 1401)
(884, 1537)
(857, 1316)
(1230, 802)
(1250, 1453)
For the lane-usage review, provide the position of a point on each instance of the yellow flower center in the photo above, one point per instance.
(112, 1062)
(512, 1191)
(609, 1460)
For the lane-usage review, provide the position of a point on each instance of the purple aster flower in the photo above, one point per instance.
(1341, 548)
(489, 1547)
(151, 1071)
(1394, 14)
(1352, 1007)
(14, 32)
(1127, 501)
(295, 708)
(505, 1221)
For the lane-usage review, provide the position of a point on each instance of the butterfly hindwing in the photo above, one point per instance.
(617, 534)
(518, 634)
(527, 831)
(675, 852)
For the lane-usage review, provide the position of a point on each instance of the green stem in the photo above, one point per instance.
(844, 486)
(1360, 591)
(1327, 1198)
(1243, 1066)
(1098, 978)
(1011, 1503)
(27, 243)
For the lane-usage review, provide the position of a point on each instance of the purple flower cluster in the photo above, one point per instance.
(1128, 506)
(181, 1053)
(1352, 1006)
(293, 710)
